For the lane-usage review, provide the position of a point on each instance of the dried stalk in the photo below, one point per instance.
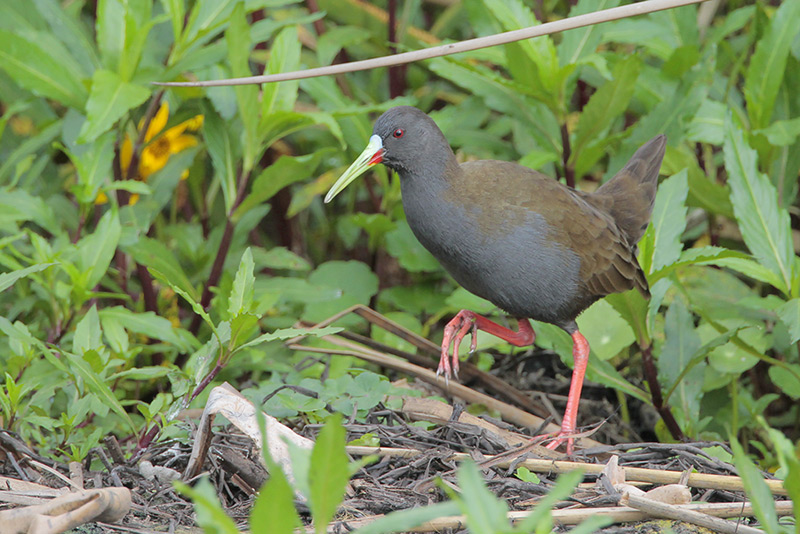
(632, 474)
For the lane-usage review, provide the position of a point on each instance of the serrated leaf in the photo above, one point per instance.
(763, 222)
(288, 333)
(768, 63)
(241, 297)
(669, 220)
(110, 98)
(8, 279)
(328, 474)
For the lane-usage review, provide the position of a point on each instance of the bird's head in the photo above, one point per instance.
(404, 139)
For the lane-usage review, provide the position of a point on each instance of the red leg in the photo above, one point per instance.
(465, 321)
(580, 352)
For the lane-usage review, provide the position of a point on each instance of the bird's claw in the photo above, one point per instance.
(455, 331)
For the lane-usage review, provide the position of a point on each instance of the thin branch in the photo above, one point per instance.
(606, 15)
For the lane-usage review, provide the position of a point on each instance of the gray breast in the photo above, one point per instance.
(514, 266)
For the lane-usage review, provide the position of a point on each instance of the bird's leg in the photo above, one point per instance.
(580, 352)
(467, 320)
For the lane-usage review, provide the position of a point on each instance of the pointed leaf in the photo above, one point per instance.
(241, 297)
(680, 347)
(669, 219)
(8, 279)
(40, 71)
(606, 104)
(109, 99)
(486, 514)
(284, 57)
(329, 473)
(757, 490)
(765, 72)
(96, 251)
(763, 223)
(87, 333)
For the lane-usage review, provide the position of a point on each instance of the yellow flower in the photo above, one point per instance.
(159, 147)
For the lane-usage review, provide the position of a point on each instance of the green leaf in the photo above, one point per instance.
(608, 333)
(208, 511)
(542, 513)
(8, 279)
(96, 250)
(329, 473)
(97, 386)
(109, 99)
(579, 43)
(288, 333)
(787, 383)
(155, 255)
(87, 333)
(280, 258)
(40, 71)
(198, 309)
(515, 15)
(274, 510)
(237, 39)
(606, 104)
(669, 220)
(757, 491)
(408, 519)
(284, 57)
(332, 41)
(768, 63)
(781, 133)
(241, 297)
(224, 150)
(110, 26)
(412, 256)
(763, 222)
(486, 514)
(790, 315)
(148, 324)
(681, 345)
(708, 124)
(284, 172)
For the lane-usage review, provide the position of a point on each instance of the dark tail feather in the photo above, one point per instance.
(631, 192)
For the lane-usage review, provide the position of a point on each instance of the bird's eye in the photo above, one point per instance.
(398, 133)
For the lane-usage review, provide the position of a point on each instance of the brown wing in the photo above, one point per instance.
(608, 263)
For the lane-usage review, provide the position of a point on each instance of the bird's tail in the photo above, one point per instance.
(630, 194)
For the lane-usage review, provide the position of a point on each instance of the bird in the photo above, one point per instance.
(534, 247)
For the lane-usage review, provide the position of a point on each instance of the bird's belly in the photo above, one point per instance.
(516, 267)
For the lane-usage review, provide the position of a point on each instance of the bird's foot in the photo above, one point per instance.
(455, 331)
(561, 437)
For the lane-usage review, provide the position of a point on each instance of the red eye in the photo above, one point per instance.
(398, 133)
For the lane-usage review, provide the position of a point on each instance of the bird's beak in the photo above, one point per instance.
(372, 155)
